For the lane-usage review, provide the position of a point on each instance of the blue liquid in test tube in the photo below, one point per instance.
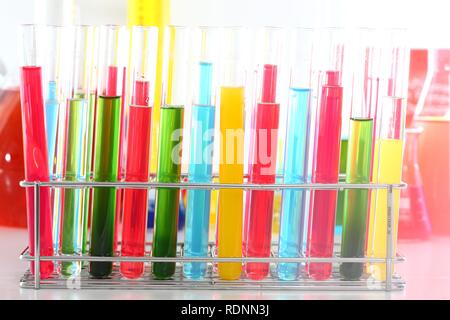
(51, 119)
(294, 202)
(200, 170)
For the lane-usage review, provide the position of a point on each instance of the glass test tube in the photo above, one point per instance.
(263, 155)
(144, 42)
(75, 147)
(169, 157)
(231, 166)
(320, 240)
(359, 158)
(53, 90)
(106, 150)
(294, 207)
(90, 130)
(200, 157)
(35, 145)
(54, 117)
(388, 149)
(373, 86)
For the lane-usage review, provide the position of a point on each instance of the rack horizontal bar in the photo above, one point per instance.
(212, 185)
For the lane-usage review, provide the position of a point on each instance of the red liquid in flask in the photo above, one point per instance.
(136, 170)
(36, 162)
(259, 204)
(326, 170)
(12, 195)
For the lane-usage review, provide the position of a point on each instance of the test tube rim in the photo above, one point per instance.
(172, 106)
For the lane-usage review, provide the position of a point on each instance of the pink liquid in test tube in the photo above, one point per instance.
(36, 162)
(111, 85)
(259, 207)
(136, 170)
(326, 170)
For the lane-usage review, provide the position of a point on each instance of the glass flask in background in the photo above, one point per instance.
(433, 115)
(12, 196)
(414, 222)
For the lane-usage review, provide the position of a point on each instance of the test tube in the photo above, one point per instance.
(35, 145)
(231, 166)
(263, 154)
(359, 157)
(320, 240)
(54, 116)
(53, 90)
(369, 49)
(294, 207)
(200, 157)
(144, 47)
(388, 149)
(75, 147)
(90, 134)
(106, 152)
(170, 140)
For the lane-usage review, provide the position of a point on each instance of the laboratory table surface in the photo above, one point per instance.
(426, 272)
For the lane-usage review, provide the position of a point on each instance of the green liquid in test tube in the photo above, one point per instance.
(89, 150)
(167, 199)
(356, 201)
(74, 142)
(358, 164)
(341, 194)
(72, 224)
(106, 149)
(105, 169)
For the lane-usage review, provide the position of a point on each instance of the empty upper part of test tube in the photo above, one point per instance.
(112, 59)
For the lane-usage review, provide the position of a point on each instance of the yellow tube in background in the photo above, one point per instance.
(152, 13)
(388, 155)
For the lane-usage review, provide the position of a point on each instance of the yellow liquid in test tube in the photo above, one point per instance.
(231, 170)
(388, 155)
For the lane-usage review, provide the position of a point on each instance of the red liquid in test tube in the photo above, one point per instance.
(111, 85)
(134, 224)
(259, 208)
(326, 170)
(36, 163)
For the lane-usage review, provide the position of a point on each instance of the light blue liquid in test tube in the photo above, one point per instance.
(51, 119)
(200, 170)
(294, 201)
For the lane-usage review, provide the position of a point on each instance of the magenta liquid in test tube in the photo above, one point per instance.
(137, 162)
(35, 146)
(263, 154)
(321, 223)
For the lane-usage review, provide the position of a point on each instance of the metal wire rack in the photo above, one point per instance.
(211, 281)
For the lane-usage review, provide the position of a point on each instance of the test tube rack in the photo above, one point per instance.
(211, 281)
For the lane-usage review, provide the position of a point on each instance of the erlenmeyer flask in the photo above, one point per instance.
(12, 196)
(414, 222)
(433, 114)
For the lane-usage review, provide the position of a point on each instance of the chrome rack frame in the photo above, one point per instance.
(210, 281)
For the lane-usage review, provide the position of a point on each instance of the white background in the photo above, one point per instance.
(428, 21)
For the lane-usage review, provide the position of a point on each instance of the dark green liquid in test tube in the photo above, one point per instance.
(106, 157)
(167, 199)
(356, 200)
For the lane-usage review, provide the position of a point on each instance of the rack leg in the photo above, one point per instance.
(390, 237)
(37, 245)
